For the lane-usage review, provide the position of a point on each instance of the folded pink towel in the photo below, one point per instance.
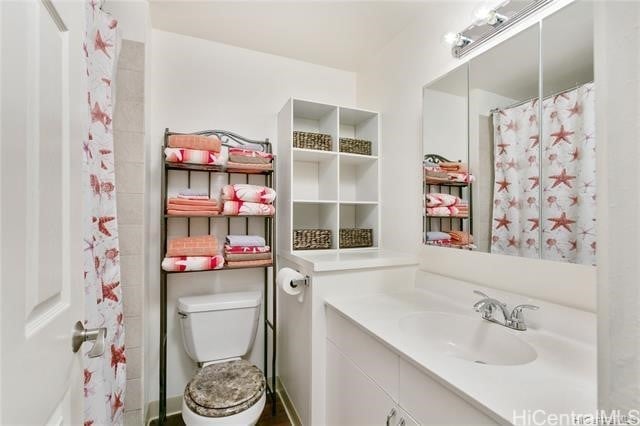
(242, 208)
(190, 202)
(190, 207)
(233, 166)
(248, 263)
(199, 142)
(205, 245)
(192, 263)
(247, 156)
(246, 192)
(172, 212)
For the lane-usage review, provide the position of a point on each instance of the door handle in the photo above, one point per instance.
(391, 415)
(96, 335)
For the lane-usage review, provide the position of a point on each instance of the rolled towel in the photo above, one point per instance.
(250, 193)
(192, 263)
(205, 245)
(442, 200)
(246, 240)
(199, 142)
(194, 156)
(242, 208)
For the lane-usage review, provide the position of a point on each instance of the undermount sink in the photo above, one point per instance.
(474, 340)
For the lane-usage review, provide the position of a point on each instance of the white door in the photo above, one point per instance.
(42, 83)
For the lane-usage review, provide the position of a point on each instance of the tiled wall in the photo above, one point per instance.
(129, 154)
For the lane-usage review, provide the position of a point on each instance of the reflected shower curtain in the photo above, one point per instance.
(516, 193)
(563, 186)
(104, 376)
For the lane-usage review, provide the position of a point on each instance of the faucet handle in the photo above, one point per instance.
(517, 318)
(479, 293)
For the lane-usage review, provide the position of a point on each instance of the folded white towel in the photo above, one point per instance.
(246, 240)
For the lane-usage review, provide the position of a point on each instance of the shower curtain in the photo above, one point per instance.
(104, 376)
(545, 187)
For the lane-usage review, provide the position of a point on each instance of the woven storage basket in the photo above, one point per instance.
(356, 237)
(308, 140)
(311, 239)
(355, 146)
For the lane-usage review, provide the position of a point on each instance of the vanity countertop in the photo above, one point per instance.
(342, 261)
(561, 380)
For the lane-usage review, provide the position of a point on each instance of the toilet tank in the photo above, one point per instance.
(219, 326)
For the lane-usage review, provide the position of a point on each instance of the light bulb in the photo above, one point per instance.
(485, 14)
(456, 39)
(451, 38)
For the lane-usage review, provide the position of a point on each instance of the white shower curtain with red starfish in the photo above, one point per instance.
(104, 376)
(516, 205)
(545, 187)
(569, 177)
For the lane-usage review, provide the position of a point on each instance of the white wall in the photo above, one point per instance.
(196, 85)
(445, 138)
(391, 82)
(618, 84)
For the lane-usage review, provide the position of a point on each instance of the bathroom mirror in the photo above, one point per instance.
(502, 172)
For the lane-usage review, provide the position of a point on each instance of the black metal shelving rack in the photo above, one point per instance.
(270, 237)
(451, 223)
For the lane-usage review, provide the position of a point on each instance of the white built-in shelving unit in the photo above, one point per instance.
(327, 189)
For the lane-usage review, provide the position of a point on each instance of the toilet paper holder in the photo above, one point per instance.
(301, 281)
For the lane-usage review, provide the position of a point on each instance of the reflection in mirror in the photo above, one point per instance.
(447, 183)
(503, 148)
(568, 159)
(505, 173)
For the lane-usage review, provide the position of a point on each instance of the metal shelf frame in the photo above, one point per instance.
(235, 140)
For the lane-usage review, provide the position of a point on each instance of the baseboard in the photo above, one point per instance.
(174, 405)
(288, 405)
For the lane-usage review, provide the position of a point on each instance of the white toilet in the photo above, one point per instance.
(217, 330)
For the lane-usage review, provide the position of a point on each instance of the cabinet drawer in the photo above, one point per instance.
(371, 356)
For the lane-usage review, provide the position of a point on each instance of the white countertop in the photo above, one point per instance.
(341, 261)
(562, 379)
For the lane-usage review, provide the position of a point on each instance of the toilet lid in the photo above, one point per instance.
(225, 389)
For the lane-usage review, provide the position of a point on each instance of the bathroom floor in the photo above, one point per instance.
(280, 419)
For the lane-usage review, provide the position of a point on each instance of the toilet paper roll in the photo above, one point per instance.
(284, 278)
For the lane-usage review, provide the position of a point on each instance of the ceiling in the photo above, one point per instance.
(338, 34)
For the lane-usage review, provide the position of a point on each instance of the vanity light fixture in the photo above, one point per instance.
(456, 39)
(489, 21)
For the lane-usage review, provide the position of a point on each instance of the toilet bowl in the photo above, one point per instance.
(217, 331)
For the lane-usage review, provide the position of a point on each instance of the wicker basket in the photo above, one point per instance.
(311, 239)
(356, 237)
(308, 140)
(355, 146)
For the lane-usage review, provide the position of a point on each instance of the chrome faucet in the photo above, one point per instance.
(488, 305)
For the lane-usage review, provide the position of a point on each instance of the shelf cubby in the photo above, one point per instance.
(314, 175)
(316, 118)
(360, 124)
(360, 215)
(316, 215)
(358, 178)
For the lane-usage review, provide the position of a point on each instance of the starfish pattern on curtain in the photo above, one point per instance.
(545, 186)
(104, 376)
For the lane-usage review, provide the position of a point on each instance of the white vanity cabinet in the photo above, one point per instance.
(367, 381)
(353, 398)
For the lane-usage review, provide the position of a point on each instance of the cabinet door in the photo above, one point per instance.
(352, 397)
